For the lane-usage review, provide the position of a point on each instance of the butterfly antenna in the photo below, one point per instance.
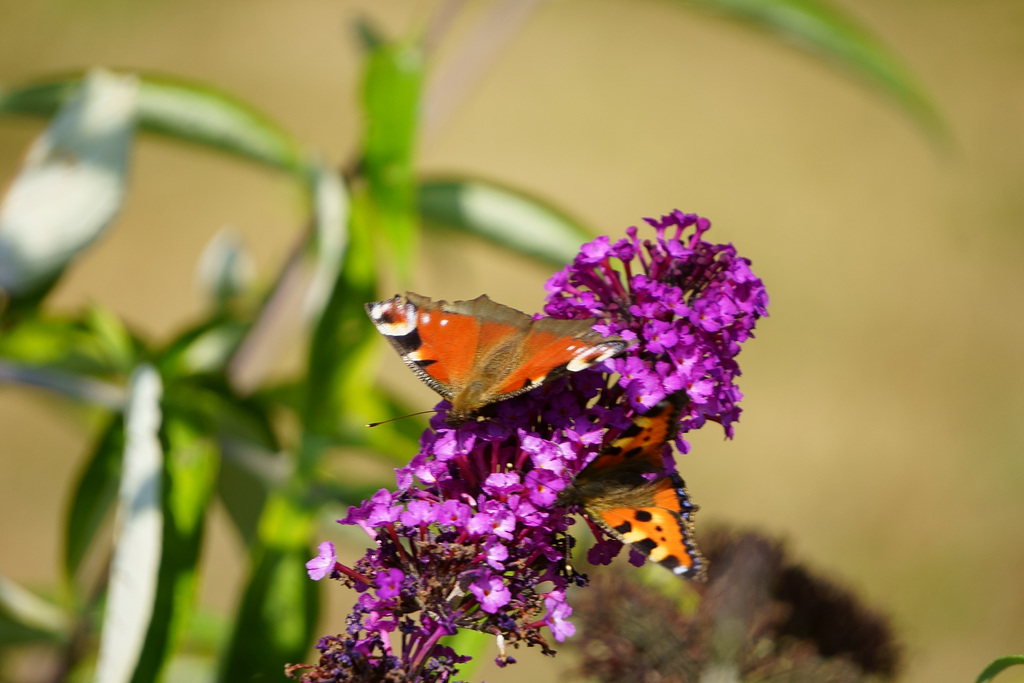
(402, 417)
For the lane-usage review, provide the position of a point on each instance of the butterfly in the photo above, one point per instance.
(653, 516)
(477, 352)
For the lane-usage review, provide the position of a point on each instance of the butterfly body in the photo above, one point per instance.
(617, 493)
(477, 352)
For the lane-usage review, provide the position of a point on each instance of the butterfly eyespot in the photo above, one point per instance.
(444, 322)
(393, 320)
(425, 318)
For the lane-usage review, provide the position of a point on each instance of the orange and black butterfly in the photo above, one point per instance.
(478, 352)
(653, 516)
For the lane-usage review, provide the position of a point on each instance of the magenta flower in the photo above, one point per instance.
(472, 537)
(558, 614)
(389, 583)
(323, 564)
(491, 592)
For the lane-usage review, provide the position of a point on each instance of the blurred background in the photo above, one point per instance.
(883, 428)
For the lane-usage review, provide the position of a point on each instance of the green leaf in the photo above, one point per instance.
(116, 343)
(59, 343)
(274, 625)
(190, 469)
(341, 393)
(65, 355)
(136, 561)
(369, 34)
(998, 666)
(14, 633)
(27, 613)
(42, 341)
(340, 338)
(70, 187)
(500, 214)
(204, 349)
(250, 464)
(330, 223)
(247, 475)
(93, 495)
(179, 109)
(303, 288)
(225, 270)
(220, 412)
(825, 31)
(69, 384)
(391, 93)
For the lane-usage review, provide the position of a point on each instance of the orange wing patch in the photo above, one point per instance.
(654, 517)
(643, 442)
(662, 532)
(478, 352)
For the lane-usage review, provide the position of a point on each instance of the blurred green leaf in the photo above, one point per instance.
(70, 186)
(190, 469)
(206, 635)
(225, 270)
(998, 666)
(135, 564)
(369, 34)
(247, 475)
(36, 617)
(69, 384)
(391, 92)
(42, 341)
(59, 343)
(66, 355)
(274, 625)
(509, 218)
(93, 494)
(113, 338)
(303, 288)
(204, 349)
(180, 109)
(242, 427)
(330, 224)
(341, 392)
(340, 334)
(211, 404)
(14, 633)
(824, 30)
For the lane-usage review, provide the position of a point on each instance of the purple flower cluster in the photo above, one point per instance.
(689, 305)
(472, 538)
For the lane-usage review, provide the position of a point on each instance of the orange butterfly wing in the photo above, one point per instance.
(477, 352)
(654, 517)
(640, 445)
(662, 532)
(552, 348)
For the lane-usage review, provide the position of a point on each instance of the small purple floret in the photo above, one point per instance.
(323, 564)
(491, 592)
